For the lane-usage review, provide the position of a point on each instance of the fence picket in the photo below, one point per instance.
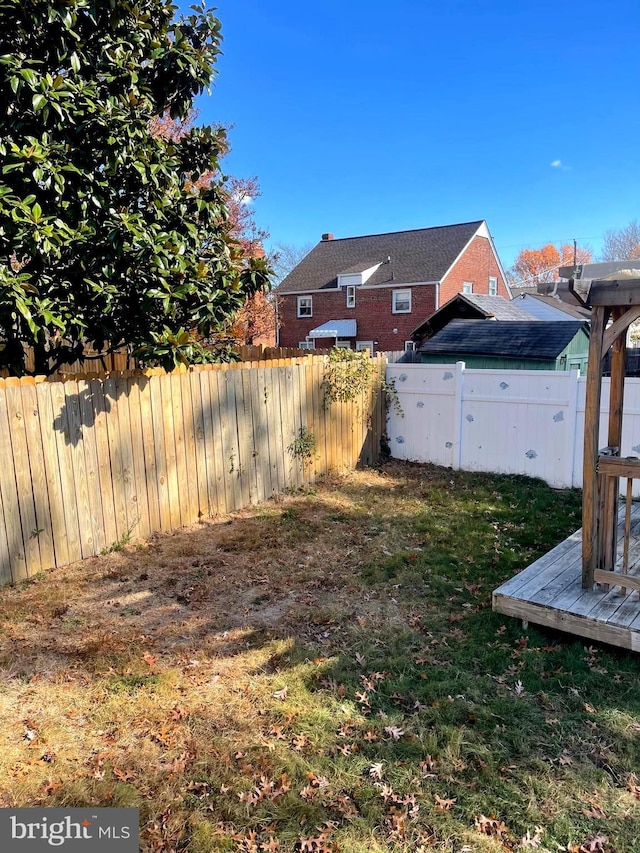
(90, 460)
(35, 452)
(92, 465)
(16, 569)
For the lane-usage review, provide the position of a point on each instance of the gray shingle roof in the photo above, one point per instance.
(474, 306)
(518, 339)
(421, 255)
(497, 307)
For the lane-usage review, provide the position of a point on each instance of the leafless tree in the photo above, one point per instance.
(622, 244)
(285, 256)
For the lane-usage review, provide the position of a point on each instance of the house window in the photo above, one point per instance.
(493, 286)
(305, 306)
(409, 346)
(467, 287)
(343, 344)
(351, 296)
(306, 344)
(362, 345)
(401, 301)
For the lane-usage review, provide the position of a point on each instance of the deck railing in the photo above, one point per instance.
(611, 469)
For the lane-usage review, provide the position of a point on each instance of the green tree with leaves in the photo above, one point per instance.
(108, 236)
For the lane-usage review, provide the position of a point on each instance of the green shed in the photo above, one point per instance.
(511, 345)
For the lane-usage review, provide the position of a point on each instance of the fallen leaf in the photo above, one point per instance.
(444, 805)
(490, 826)
(123, 775)
(375, 771)
(394, 732)
(596, 811)
(149, 659)
(531, 841)
(281, 694)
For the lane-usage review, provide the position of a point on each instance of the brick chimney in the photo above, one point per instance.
(326, 237)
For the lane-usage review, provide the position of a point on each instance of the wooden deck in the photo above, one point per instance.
(549, 593)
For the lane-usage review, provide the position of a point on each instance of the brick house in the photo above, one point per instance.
(371, 292)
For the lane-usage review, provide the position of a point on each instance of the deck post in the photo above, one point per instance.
(616, 402)
(590, 496)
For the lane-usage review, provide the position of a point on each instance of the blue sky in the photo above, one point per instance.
(364, 117)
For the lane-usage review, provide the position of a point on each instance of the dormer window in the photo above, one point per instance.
(357, 274)
(351, 296)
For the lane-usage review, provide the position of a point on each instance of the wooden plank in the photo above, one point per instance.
(144, 528)
(559, 621)
(156, 387)
(51, 473)
(180, 431)
(126, 457)
(65, 464)
(199, 450)
(101, 410)
(623, 292)
(16, 567)
(619, 467)
(297, 468)
(288, 426)
(235, 470)
(170, 451)
(208, 441)
(617, 330)
(614, 439)
(229, 452)
(320, 415)
(39, 485)
(259, 443)
(269, 467)
(630, 581)
(269, 388)
(148, 453)
(5, 552)
(309, 418)
(245, 436)
(280, 405)
(91, 464)
(23, 477)
(218, 399)
(545, 566)
(190, 447)
(115, 452)
(591, 440)
(616, 608)
(557, 586)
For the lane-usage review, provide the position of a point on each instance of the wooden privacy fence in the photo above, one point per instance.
(121, 360)
(90, 461)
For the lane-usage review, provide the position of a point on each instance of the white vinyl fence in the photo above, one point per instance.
(506, 421)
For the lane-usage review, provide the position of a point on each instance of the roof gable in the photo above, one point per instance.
(405, 257)
(518, 339)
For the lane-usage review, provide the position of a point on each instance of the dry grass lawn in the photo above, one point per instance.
(323, 673)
